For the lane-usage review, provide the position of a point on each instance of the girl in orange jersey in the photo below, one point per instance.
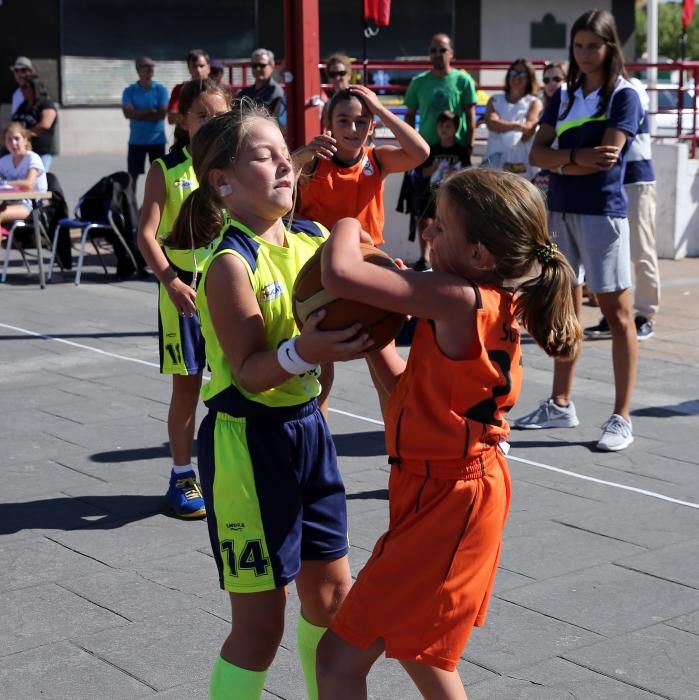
(342, 175)
(428, 581)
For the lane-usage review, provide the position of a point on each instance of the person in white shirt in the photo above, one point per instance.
(21, 168)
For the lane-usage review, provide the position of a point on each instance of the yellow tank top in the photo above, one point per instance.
(180, 182)
(272, 270)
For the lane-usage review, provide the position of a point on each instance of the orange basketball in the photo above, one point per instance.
(309, 296)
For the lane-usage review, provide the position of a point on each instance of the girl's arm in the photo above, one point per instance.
(182, 294)
(28, 182)
(573, 161)
(600, 158)
(46, 120)
(240, 330)
(322, 146)
(385, 367)
(413, 149)
(498, 125)
(345, 273)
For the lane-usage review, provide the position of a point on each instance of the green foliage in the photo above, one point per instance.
(669, 31)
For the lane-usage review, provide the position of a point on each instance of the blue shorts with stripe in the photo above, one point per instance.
(180, 340)
(273, 491)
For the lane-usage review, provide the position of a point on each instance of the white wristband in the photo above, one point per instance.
(290, 360)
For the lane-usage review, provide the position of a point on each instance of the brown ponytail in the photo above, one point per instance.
(546, 308)
(506, 214)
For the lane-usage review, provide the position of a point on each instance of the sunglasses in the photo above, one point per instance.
(438, 49)
(554, 79)
(519, 73)
(337, 73)
(257, 66)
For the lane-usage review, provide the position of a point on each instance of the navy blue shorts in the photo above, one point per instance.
(273, 492)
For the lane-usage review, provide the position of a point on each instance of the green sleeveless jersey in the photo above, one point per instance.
(180, 182)
(272, 270)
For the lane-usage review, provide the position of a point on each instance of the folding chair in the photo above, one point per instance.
(25, 239)
(96, 215)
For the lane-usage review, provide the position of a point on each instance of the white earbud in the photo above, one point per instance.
(224, 190)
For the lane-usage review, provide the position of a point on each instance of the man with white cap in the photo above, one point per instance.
(22, 69)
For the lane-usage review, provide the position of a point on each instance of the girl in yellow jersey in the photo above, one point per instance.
(170, 181)
(274, 496)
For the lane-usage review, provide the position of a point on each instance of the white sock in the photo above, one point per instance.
(180, 471)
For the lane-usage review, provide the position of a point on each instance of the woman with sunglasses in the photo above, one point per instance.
(555, 74)
(338, 69)
(512, 118)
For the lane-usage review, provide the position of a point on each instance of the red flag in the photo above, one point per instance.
(378, 12)
(687, 12)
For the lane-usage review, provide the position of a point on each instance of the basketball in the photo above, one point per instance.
(309, 296)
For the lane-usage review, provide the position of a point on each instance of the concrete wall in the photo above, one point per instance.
(678, 201)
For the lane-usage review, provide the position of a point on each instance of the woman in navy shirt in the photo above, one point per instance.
(583, 140)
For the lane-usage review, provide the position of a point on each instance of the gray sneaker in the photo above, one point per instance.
(616, 434)
(549, 415)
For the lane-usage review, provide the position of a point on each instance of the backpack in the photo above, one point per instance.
(114, 194)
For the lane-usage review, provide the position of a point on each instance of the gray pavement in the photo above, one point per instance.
(102, 595)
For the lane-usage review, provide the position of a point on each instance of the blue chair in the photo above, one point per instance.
(96, 216)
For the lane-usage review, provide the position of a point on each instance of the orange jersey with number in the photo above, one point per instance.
(446, 413)
(333, 192)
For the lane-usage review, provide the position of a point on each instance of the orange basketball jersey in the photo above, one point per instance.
(444, 414)
(334, 191)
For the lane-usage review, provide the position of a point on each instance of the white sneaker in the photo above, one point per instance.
(616, 434)
(549, 415)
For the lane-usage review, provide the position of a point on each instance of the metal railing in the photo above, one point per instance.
(677, 115)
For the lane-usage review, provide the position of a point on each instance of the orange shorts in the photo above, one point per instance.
(429, 578)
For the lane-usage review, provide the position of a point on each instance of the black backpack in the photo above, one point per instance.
(114, 194)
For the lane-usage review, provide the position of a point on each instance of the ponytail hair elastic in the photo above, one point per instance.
(545, 253)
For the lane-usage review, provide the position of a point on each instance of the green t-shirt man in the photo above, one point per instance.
(430, 95)
(439, 89)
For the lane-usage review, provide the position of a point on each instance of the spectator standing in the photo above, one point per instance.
(338, 69)
(38, 115)
(639, 184)
(199, 68)
(555, 74)
(265, 91)
(22, 69)
(218, 70)
(442, 88)
(446, 158)
(144, 104)
(512, 118)
(583, 140)
(430, 93)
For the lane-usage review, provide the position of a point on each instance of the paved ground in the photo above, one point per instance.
(103, 596)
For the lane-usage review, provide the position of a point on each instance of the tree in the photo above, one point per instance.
(669, 31)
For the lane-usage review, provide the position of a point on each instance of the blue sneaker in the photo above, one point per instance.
(184, 496)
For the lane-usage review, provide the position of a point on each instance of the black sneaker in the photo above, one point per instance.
(599, 332)
(644, 328)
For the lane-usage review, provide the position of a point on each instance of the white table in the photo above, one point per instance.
(34, 195)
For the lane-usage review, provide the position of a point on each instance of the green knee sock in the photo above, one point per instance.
(307, 638)
(229, 681)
